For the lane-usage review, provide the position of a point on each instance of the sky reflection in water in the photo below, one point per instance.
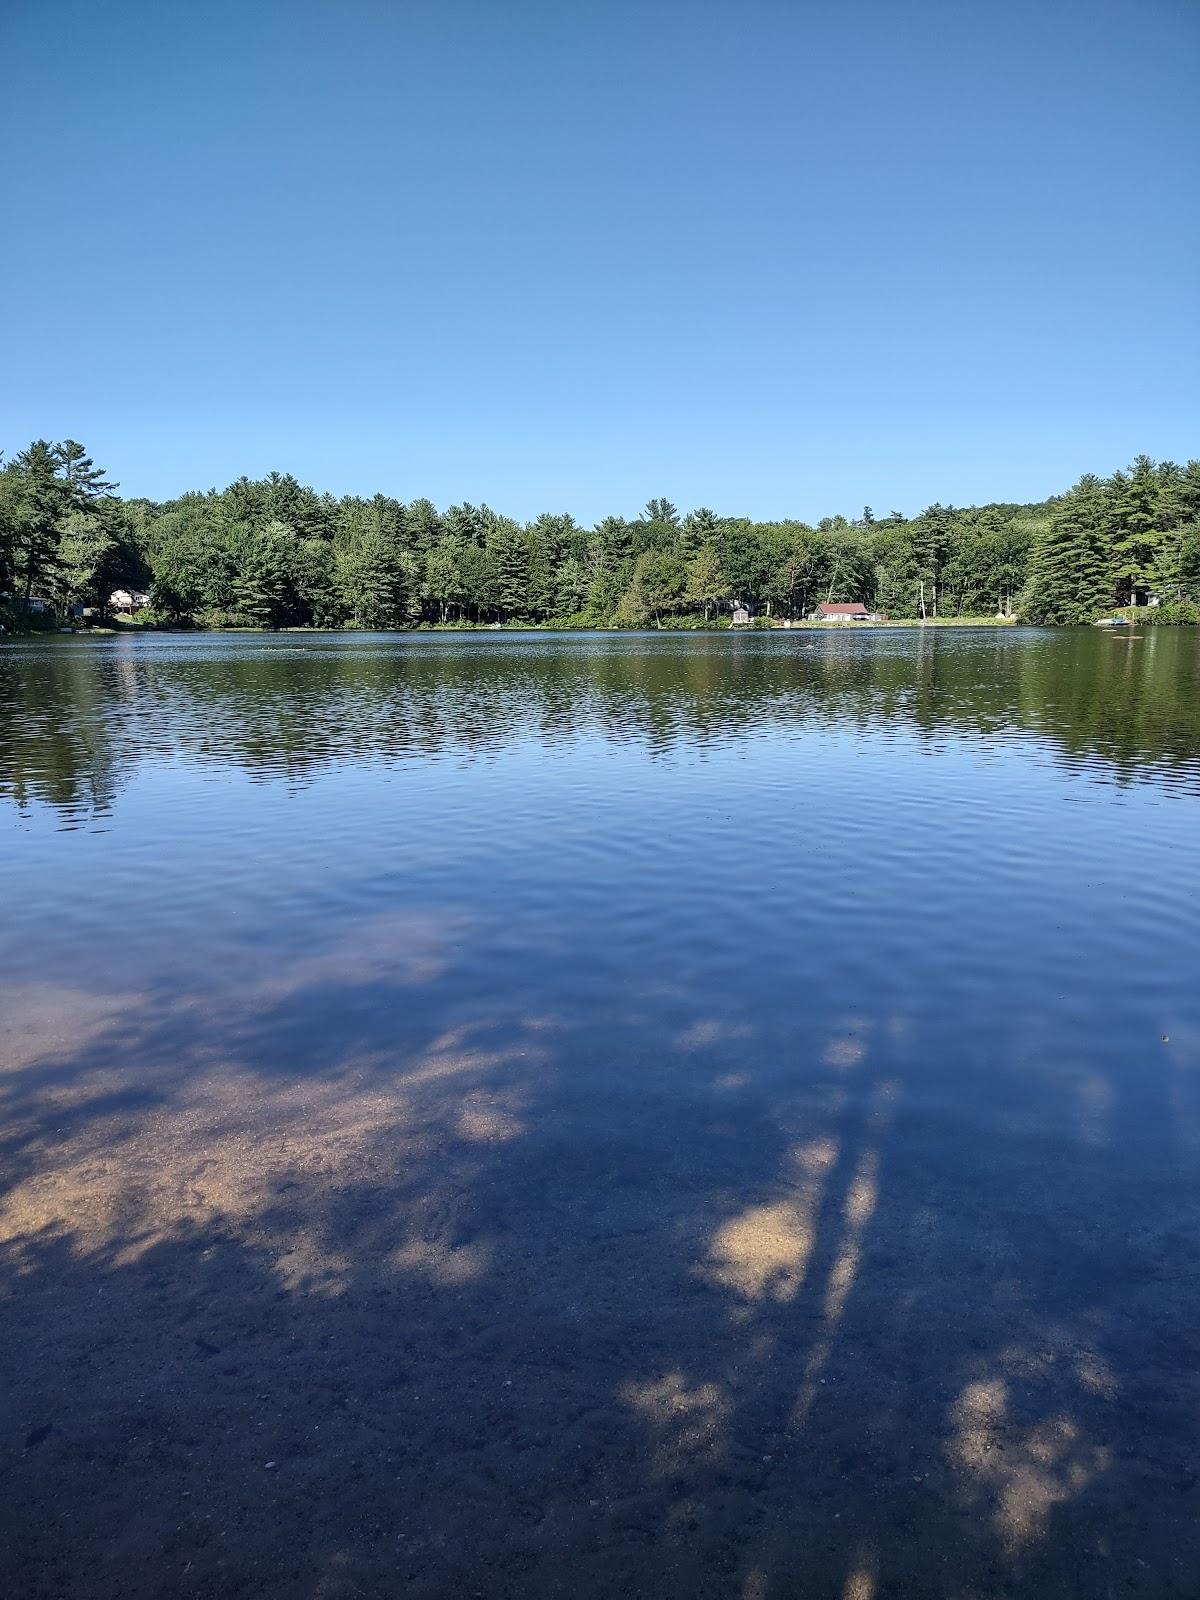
(780, 1053)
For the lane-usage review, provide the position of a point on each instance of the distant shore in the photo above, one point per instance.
(116, 625)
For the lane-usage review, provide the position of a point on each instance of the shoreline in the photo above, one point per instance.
(115, 627)
(112, 630)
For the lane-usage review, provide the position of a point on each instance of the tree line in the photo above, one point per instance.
(272, 553)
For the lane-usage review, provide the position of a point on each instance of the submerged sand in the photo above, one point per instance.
(463, 1318)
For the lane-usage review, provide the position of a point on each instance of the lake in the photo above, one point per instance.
(659, 1115)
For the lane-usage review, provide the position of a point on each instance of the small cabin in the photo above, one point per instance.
(851, 611)
(741, 617)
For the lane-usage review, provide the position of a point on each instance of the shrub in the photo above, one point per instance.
(1170, 614)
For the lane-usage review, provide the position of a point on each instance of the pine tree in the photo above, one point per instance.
(315, 582)
(568, 587)
(699, 528)
(615, 537)
(1069, 574)
(263, 591)
(1136, 533)
(443, 586)
(511, 557)
(932, 540)
(422, 525)
(539, 591)
(8, 532)
(662, 511)
(39, 501)
(375, 579)
(83, 478)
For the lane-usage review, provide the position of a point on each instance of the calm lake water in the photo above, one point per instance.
(602, 1114)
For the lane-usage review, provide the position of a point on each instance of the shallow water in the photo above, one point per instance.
(775, 1057)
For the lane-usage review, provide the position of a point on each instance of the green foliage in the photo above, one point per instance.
(663, 578)
(707, 584)
(444, 583)
(1070, 569)
(315, 578)
(1179, 562)
(662, 512)
(745, 559)
(193, 573)
(263, 591)
(86, 569)
(373, 583)
(1171, 614)
(633, 609)
(38, 502)
(273, 553)
(1134, 525)
(509, 554)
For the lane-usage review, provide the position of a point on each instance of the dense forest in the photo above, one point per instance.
(272, 553)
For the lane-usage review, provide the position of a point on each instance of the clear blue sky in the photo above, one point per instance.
(776, 258)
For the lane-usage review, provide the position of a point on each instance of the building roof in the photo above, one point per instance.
(854, 608)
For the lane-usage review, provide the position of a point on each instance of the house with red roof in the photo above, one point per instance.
(853, 611)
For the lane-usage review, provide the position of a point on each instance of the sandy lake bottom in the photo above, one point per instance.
(579, 1116)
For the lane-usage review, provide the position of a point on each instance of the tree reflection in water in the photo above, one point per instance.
(577, 1237)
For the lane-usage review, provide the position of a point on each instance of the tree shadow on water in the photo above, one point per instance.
(451, 1300)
